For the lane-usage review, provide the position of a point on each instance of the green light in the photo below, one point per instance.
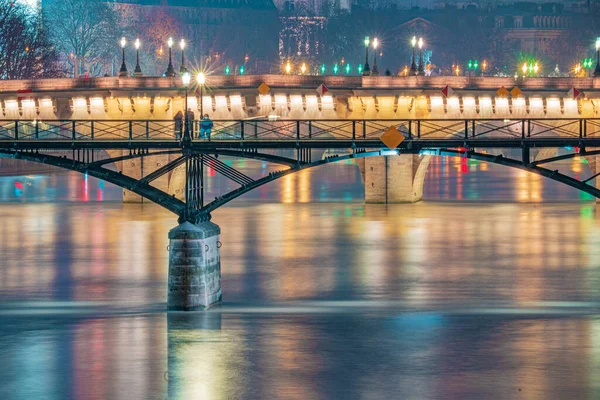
(476, 64)
(348, 69)
(367, 41)
(227, 70)
(335, 69)
(360, 69)
(323, 69)
(530, 67)
(242, 70)
(470, 65)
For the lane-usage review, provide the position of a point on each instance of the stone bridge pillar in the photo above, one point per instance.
(194, 266)
(394, 179)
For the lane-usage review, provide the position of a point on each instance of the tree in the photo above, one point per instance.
(85, 34)
(25, 51)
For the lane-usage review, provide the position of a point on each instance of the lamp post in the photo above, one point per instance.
(170, 70)
(413, 65)
(185, 79)
(483, 67)
(367, 70)
(421, 65)
(123, 70)
(182, 68)
(597, 70)
(138, 70)
(201, 82)
(375, 71)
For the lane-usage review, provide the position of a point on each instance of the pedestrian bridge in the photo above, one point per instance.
(86, 126)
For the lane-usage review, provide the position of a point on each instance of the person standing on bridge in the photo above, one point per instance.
(206, 126)
(178, 118)
(190, 121)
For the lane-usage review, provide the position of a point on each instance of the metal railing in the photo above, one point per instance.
(294, 130)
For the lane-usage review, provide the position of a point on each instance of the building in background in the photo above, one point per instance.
(218, 33)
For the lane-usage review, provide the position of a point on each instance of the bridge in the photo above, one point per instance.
(91, 128)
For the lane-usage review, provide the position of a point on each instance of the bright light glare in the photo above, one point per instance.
(221, 101)
(536, 103)
(437, 101)
(501, 103)
(123, 42)
(469, 103)
(97, 102)
(420, 43)
(236, 100)
(485, 102)
(79, 103)
(137, 44)
(186, 78)
(170, 42)
(553, 104)
(296, 99)
(375, 43)
(453, 102)
(201, 78)
(414, 41)
(182, 44)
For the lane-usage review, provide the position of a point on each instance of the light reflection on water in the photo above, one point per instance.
(325, 297)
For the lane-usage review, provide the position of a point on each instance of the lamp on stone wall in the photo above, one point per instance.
(123, 70)
(170, 70)
(138, 70)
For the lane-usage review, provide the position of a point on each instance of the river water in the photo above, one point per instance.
(489, 289)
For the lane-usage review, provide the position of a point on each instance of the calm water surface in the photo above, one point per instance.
(488, 289)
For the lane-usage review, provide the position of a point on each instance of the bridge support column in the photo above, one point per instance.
(194, 267)
(395, 179)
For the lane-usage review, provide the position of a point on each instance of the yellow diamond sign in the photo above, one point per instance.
(502, 92)
(264, 88)
(516, 92)
(392, 137)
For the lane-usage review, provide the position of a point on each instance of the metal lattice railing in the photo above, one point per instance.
(273, 130)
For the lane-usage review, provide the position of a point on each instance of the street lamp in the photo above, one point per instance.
(185, 79)
(138, 70)
(123, 70)
(303, 68)
(288, 68)
(597, 70)
(201, 82)
(182, 68)
(421, 66)
(457, 70)
(524, 69)
(483, 67)
(170, 70)
(413, 65)
(375, 71)
(536, 68)
(367, 70)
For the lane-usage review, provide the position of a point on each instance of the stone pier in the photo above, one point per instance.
(194, 267)
(394, 179)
